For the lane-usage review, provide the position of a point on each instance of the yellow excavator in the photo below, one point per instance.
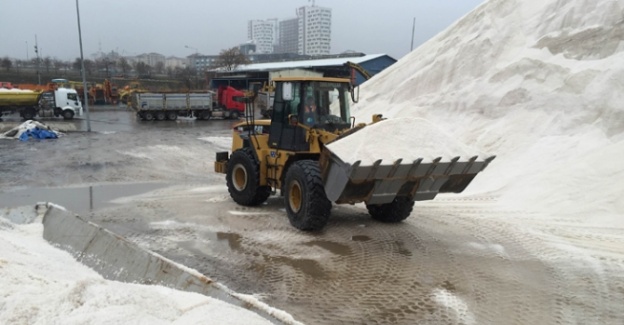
(289, 153)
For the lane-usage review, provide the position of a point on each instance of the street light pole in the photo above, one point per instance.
(84, 76)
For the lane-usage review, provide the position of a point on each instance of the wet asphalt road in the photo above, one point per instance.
(456, 260)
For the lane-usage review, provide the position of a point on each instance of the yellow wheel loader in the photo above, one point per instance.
(289, 153)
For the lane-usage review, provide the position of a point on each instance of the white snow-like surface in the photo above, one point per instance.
(16, 90)
(41, 284)
(400, 138)
(17, 131)
(539, 83)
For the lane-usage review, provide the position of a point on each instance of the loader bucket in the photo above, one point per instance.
(380, 183)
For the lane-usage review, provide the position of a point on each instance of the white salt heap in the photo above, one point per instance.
(400, 138)
(538, 83)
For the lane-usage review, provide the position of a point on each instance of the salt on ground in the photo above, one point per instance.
(405, 138)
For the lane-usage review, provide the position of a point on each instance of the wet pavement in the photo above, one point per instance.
(456, 260)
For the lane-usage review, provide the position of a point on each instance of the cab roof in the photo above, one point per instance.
(307, 78)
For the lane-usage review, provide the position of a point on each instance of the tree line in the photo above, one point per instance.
(106, 67)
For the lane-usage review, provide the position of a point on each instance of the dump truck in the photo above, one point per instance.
(227, 103)
(291, 153)
(51, 103)
(168, 106)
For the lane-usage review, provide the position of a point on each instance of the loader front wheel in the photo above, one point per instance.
(243, 179)
(307, 205)
(393, 212)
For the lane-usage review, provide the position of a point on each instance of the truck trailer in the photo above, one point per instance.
(168, 106)
(30, 104)
(227, 103)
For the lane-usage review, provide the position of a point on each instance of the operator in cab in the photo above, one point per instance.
(310, 112)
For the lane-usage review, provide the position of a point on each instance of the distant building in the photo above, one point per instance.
(200, 62)
(264, 33)
(150, 59)
(247, 48)
(288, 36)
(314, 25)
(175, 62)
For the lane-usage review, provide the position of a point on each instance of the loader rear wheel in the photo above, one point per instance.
(393, 212)
(307, 205)
(243, 179)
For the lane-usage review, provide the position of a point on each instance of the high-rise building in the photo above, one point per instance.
(263, 33)
(288, 36)
(314, 25)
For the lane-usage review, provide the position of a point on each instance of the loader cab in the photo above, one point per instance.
(301, 104)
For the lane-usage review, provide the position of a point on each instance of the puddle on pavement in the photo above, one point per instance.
(309, 267)
(336, 248)
(360, 238)
(233, 240)
(76, 199)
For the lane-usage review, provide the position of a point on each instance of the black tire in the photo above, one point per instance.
(172, 116)
(68, 114)
(243, 179)
(202, 115)
(393, 212)
(234, 115)
(148, 116)
(306, 203)
(28, 114)
(161, 116)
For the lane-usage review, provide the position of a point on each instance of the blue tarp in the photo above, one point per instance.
(37, 133)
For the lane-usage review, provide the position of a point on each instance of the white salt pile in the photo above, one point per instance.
(400, 138)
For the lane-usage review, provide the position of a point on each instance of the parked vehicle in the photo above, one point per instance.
(168, 106)
(51, 103)
(227, 102)
(230, 103)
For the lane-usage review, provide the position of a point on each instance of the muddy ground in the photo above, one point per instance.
(456, 260)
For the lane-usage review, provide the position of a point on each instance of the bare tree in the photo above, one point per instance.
(59, 64)
(88, 64)
(159, 67)
(19, 64)
(47, 63)
(143, 69)
(230, 59)
(104, 64)
(124, 65)
(6, 63)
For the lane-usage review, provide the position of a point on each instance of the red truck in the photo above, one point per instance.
(230, 103)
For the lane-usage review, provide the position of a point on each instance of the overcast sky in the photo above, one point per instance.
(132, 27)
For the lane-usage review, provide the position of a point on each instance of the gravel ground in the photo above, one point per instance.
(456, 260)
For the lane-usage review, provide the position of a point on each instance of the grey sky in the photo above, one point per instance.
(132, 27)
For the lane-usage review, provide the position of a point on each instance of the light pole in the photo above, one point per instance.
(84, 77)
(37, 53)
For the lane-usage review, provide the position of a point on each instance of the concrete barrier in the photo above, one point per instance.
(116, 258)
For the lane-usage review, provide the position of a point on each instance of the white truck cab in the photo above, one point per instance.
(61, 102)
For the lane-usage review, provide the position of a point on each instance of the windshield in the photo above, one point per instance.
(325, 103)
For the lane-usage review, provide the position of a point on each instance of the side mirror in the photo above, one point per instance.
(287, 91)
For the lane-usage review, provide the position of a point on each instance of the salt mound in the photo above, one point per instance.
(399, 138)
(539, 84)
